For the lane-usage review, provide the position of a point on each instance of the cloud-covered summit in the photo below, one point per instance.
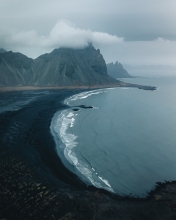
(63, 34)
(133, 32)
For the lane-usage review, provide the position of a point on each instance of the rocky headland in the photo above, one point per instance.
(116, 70)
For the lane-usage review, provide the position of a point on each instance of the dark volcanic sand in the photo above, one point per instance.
(35, 185)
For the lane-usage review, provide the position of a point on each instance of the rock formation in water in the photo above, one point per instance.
(61, 67)
(117, 71)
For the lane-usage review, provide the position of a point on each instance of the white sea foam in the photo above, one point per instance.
(61, 124)
(110, 171)
(111, 88)
(104, 181)
(70, 115)
(64, 120)
(86, 170)
(72, 122)
(125, 88)
(95, 107)
(83, 95)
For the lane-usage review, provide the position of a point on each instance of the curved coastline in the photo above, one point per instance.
(66, 144)
(83, 95)
(37, 126)
(34, 177)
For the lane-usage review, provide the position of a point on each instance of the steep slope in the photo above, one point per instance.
(62, 67)
(2, 50)
(15, 69)
(72, 67)
(117, 71)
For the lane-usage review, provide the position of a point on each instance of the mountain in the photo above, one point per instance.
(15, 69)
(2, 50)
(117, 71)
(61, 67)
(72, 67)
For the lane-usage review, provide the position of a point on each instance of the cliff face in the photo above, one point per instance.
(117, 71)
(62, 67)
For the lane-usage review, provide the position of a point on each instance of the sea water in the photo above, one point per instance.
(126, 142)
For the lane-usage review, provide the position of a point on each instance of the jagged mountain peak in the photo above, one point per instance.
(116, 70)
(61, 67)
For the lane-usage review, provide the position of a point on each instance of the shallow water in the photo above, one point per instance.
(126, 142)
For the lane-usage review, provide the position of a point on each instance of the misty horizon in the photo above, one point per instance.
(126, 65)
(134, 33)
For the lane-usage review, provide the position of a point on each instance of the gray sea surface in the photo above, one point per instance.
(126, 142)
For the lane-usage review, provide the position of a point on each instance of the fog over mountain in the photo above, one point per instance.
(134, 32)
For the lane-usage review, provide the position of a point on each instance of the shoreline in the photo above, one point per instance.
(119, 84)
(33, 175)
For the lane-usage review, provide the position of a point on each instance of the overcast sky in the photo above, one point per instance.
(130, 31)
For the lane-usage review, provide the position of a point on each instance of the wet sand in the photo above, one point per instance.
(34, 184)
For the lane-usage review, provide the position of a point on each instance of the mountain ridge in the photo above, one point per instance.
(61, 67)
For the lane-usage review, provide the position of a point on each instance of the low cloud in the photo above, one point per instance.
(157, 52)
(63, 34)
(163, 40)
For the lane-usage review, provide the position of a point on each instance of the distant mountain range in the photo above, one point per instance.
(61, 67)
(116, 70)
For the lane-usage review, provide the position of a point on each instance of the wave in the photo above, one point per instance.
(68, 147)
(60, 125)
(83, 95)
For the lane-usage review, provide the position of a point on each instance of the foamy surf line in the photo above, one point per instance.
(67, 145)
(83, 95)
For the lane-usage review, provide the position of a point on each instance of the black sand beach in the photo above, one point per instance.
(35, 185)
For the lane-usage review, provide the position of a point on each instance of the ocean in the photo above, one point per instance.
(126, 142)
